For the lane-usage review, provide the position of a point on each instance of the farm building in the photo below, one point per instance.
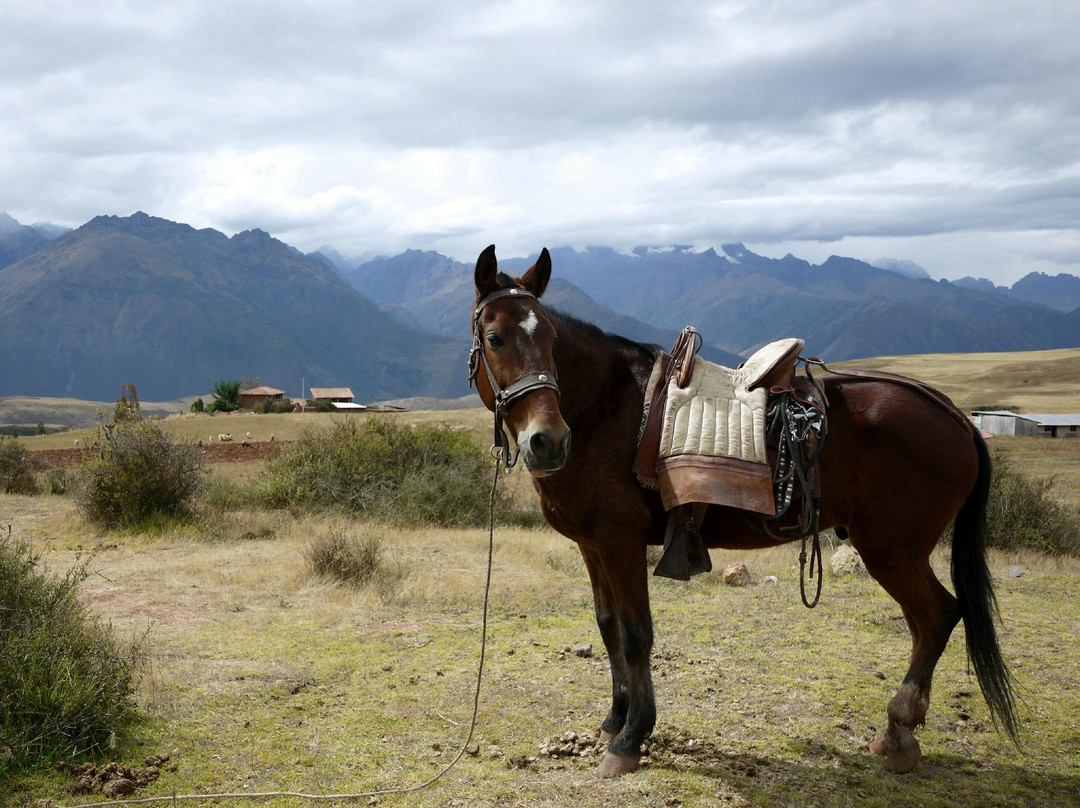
(1004, 422)
(341, 398)
(254, 396)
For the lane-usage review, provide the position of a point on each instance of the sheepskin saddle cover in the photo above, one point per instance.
(712, 430)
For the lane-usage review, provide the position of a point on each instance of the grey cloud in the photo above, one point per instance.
(809, 121)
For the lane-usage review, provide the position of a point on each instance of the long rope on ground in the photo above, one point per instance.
(265, 795)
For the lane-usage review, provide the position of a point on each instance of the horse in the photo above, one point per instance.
(899, 466)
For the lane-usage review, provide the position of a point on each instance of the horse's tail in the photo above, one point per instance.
(978, 603)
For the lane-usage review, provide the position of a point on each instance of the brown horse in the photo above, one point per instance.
(897, 469)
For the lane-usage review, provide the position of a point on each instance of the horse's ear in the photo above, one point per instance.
(536, 279)
(487, 268)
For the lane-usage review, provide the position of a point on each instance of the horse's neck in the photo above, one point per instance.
(593, 369)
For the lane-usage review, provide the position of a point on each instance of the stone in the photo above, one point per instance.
(737, 575)
(846, 561)
(584, 651)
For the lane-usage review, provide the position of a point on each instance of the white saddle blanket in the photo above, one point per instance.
(718, 414)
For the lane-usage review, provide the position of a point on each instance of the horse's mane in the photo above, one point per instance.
(623, 343)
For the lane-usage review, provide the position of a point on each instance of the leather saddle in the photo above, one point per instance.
(703, 441)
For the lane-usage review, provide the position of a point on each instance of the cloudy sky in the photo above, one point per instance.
(945, 133)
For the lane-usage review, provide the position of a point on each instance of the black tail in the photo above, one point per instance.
(978, 604)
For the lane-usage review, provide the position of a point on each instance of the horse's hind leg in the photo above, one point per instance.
(931, 613)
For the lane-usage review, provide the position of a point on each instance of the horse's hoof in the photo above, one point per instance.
(606, 736)
(903, 759)
(901, 751)
(880, 744)
(614, 765)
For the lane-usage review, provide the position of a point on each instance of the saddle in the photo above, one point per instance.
(704, 440)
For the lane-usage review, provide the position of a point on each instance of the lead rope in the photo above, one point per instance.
(362, 794)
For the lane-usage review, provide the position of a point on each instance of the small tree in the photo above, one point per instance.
(198, 406)
(226, 396)
(127, 406)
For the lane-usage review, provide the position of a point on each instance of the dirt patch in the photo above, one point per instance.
(112, 779)
(230, 452)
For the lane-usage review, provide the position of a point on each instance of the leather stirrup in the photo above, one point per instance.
(685, 553)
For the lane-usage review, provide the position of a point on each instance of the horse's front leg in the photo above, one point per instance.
(621, 594)
(608, 623)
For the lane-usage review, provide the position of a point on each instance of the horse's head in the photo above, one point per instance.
(512, 364)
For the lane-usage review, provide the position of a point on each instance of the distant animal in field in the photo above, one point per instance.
(224, 437)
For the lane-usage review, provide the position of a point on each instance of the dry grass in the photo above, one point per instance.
(1023, 381)
(264, 677)
(1046, 457)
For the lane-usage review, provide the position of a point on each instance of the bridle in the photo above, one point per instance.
(504, 396)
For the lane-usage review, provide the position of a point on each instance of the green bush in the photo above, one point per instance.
(66, 684)
(426, 475)
(1023, 514)
(58, 481)
(135, 473)
(18, 469)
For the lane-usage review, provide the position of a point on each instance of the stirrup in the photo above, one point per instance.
(685, 553)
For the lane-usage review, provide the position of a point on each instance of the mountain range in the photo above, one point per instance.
(174, 309)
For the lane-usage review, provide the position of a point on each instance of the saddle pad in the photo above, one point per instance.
(714, 415)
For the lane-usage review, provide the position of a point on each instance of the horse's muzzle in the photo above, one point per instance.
(545, 451)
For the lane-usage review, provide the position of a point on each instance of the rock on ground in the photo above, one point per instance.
(737, 575)
(846, 561)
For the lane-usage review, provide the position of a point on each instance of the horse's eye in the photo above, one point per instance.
(494, 340)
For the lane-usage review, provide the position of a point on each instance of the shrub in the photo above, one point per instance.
(136, 473)
(66, 684)
(18, 469)
(1022, 512)
(353, 560)
(58, 481)
(427, 475)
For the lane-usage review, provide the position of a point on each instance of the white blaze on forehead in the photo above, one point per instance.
(528, 325)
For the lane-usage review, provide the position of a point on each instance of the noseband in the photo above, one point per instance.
(504, 396)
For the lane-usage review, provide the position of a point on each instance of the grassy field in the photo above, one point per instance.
(260, 676)
(1023, 381)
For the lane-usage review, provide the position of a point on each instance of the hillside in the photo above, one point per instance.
(174, 309)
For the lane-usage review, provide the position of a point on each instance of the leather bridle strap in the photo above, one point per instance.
(536, 380)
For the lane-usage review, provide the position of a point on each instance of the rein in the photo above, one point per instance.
(799, 425)
(504, 396)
